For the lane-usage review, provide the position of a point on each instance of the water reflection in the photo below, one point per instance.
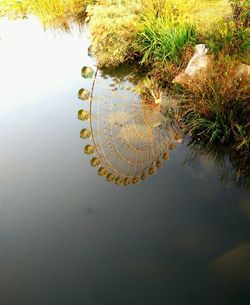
(175, 239)
(233, 166)
(130, 136)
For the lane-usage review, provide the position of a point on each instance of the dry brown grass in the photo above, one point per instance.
(217, 103)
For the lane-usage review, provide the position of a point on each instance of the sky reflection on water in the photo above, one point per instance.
(67, 236)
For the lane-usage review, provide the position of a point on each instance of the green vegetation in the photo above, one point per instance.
(163, 40)
(59, 13)
(113, 27)
(158, 36)
(216, 106)
(14, 9)
(52, 13)
(232, 35)
(149, 30)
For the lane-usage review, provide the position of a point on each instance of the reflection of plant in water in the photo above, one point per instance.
(124, 73)
(52, 13)
(129, 137)
(233, 166)
(149, 90)
(14, 9)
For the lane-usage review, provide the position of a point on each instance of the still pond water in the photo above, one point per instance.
(67, 237)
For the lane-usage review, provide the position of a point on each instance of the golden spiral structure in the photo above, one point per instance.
(129, 138)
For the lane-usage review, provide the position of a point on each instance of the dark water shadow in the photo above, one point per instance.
(233, 167)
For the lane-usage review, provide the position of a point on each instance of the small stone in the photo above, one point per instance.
(199, 62)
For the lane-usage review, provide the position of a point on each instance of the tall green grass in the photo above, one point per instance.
(162, 39)
(202, 13)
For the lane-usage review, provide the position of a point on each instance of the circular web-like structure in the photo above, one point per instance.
(128, 137)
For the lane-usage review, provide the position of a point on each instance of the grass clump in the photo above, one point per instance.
(217, 105)
(202, 13)
(162, 39)
(169, 29)
(163, 32)
(232, 34)
(152, 30)
(113, 27)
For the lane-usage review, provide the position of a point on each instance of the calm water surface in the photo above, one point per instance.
(67, 237)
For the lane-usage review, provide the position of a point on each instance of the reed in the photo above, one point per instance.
(216, 107)
(164, 39)
(203, 13)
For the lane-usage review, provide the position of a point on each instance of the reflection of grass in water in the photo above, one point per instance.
(13, 8)
(233, 166)
(124, 72)
(58, 13)
(52, 13)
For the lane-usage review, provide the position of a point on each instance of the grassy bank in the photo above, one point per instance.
(217, 104)
(216, 107)
(150, 31)
(159, 37)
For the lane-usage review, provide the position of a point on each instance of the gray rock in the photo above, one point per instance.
(199, 61)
